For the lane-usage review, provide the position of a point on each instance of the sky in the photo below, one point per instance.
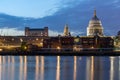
(42, 8)
(34, 8)
(28, 8)
(56, 13)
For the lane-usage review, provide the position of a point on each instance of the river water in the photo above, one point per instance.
(59, 68)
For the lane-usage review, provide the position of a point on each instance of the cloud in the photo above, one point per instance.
(73, 33)
(10, 32)
(77, 33)
(16, 32)
(54, 33)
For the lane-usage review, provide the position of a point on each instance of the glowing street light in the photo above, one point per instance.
(58, 48)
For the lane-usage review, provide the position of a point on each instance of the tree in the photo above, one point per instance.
(24, 46)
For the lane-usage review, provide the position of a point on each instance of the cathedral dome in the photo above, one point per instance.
(95, 22)
(95, 26)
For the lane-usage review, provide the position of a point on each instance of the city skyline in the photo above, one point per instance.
(58, 13)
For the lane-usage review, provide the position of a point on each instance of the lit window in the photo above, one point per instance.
(37, 39)
(21, 40)
(12, 39)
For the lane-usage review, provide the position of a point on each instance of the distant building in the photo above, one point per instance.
(36, 31)
(96, 42)
(66, 31)
(82, 42)
(11, 42)
(95, 26)
(95, 37)
(59, 42)
(117, 40)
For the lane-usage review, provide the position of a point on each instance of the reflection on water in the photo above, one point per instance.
(42, 68)
(75, 68)
(0, 68)
(12, 69)
(90, 68)
(37, 68)
(59, 68)
(23, 68)
(119, 67)
(114, 68)
(39, 72)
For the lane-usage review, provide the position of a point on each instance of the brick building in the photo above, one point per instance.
(36, 31)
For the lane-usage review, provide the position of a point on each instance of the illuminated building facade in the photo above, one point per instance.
(36, 32)
(66, 31)
(59, 42)
(95, 26)
(83, 42)
(12, 42)
(117, 40)
(96, 42)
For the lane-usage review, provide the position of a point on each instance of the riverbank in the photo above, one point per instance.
(59, 53)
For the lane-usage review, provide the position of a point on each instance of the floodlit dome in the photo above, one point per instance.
(95, 22)
(95, 26)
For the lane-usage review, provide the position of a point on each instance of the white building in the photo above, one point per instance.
(95, 26)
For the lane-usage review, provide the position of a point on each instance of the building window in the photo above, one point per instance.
(85, 41)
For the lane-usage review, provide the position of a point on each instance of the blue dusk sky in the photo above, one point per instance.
(56, 13)
(30, 8)
(42, 8)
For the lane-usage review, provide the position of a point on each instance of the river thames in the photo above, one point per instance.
(59, 68)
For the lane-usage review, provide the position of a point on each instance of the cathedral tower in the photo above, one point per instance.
(66, 31)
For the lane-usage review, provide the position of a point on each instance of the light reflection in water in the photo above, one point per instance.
(111, 68)
(12, 68)
(58, 68)
(90, 68)
(8, 59)
(0, 60)
(8, 68)
(25, 67)
(3, 68)
(96, 68)
(39, 72)
(13, 59)
(42, 68)
(114, 68)
(119, 68)
(4, 60)
(21, 68)
(37, 68)
(75, 68)
(0, 68)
